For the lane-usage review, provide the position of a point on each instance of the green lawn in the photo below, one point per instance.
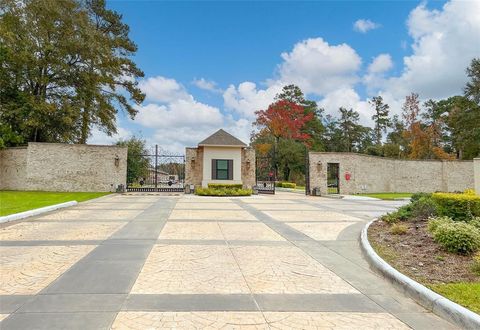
(300, 187)
(20, 201)
(332, 190)
(388, 196)
(465, 294)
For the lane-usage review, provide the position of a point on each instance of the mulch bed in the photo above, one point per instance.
(416, 255)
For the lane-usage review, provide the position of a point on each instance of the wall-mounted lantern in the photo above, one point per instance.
(319, 166)
(117, 161)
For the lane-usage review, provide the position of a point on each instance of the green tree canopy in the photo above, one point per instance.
(137, 163)
(66, 67)
(380, 117)
(472, 88)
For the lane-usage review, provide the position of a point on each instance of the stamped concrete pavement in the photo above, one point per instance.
(148, 261)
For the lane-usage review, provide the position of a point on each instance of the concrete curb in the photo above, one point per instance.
(31, 213)
(443, 307)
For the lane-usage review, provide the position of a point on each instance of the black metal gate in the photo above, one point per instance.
(333, 184)
(159, 171)
(265, 175)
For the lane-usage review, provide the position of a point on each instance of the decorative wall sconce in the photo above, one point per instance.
(117, 160)
(319, 166)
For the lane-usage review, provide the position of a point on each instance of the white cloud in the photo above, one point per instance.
(99, 137)
(245, 99)
(319, 68)
(189, 136)
(207, 85)
(347, 98)
(164, 90)
(180, 113)
(365, 25)
(376, 72)
(381, 63)
(444, 42)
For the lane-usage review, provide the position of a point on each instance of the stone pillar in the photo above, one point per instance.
(248, 168)
(476, 174)
(194, 166)
(317, 172)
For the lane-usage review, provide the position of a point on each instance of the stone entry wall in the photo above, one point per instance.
(63, 167)
(378, 174)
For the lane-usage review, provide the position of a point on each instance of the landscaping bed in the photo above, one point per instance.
(223, 190)
(19, 201)
(439, 252)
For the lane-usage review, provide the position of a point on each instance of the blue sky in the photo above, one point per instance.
(212, 64)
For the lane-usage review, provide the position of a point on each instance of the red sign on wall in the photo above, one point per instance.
(347, 176)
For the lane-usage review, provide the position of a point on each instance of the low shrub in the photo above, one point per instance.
(398, 229)
(435, 222)
(225, 185)
(417, 196)
(457, 237)
(460, 207)
(423, 208)
(390, 218)
(222, 192)
(402, 214)
(475, 222)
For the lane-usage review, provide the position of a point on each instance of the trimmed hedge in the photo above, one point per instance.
(225, 185)
(222, 192)
(291, 185)
(459, 207)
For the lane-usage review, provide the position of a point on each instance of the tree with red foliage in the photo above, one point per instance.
(284, 119)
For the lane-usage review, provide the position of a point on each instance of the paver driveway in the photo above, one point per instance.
(150, 261)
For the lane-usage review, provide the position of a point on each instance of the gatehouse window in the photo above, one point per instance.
(222, 169)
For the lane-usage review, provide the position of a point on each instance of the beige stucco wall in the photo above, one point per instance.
(210, 153)
(248, 167)
(13, 169)
(476, 164)
(378, 174)
(67, 167)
